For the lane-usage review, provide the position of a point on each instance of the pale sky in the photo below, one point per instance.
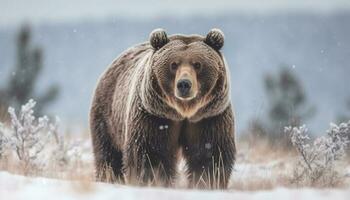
(13, 12)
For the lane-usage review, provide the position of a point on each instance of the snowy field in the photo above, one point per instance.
(253, 178)
(19, 187)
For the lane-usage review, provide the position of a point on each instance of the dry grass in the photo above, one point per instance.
(4, 117)
(259, 166)
(283, 164)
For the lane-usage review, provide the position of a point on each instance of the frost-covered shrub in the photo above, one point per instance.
(341, 132)
(35, 142)
(64, 152)
(319, 159)
(3, 141)
(29, 136)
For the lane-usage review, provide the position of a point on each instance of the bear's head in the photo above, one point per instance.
(190, 72)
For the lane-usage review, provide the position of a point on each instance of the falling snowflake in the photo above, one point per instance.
(207, 145)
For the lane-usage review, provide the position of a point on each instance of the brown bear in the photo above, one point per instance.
(161, 99)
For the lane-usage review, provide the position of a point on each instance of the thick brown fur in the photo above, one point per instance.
(139, 126)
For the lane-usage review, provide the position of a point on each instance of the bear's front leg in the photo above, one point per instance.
(209, 148)
(150, 152)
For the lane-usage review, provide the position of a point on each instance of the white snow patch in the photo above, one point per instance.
(208, 145)
(19, 187)
(162, 127)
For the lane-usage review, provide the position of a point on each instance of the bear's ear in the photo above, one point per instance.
(215, 38)
(158, 38)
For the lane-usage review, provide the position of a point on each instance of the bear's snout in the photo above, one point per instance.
(184, 87)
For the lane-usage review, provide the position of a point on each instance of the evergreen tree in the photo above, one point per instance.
(21, 85)
(287, 103)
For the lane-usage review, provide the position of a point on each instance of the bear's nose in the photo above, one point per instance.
(184, 87)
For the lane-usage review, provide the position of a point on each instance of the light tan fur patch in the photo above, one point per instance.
(186, 111)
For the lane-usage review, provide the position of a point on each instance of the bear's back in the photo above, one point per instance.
(113, 88)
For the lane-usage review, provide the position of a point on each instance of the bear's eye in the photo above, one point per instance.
(197, 66)
(173, 66)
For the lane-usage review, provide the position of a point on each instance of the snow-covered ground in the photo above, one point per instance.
(260, 171)
(20, 187)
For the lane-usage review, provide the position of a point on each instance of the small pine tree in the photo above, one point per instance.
(287, 103)
(21, 85)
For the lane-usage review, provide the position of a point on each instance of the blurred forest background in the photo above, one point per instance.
(289, 63)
